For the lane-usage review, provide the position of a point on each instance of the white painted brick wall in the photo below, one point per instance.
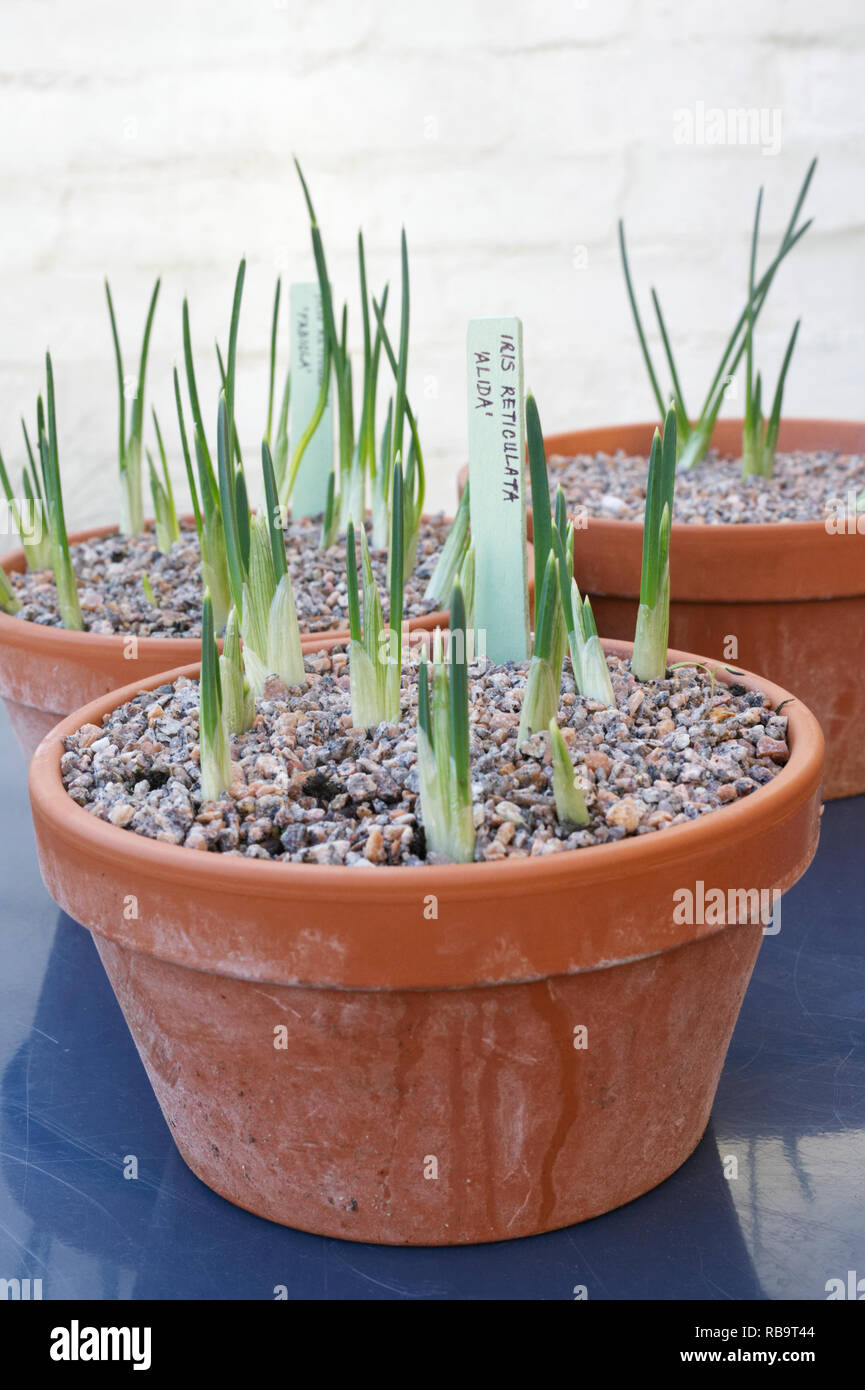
(158, 139)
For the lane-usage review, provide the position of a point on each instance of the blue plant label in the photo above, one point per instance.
(306, 357)
(497, 470)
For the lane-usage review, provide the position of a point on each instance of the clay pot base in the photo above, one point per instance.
(438, 1118)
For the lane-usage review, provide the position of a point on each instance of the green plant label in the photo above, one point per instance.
(306, 355)
(497, 454)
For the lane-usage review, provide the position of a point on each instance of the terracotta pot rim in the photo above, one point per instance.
(796, 530)
(38, 637)
(741, 562)
(766, 807)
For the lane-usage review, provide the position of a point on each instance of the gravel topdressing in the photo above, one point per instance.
(309, 787)
(802, 488)
(110, 570)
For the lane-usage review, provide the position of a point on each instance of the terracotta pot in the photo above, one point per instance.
(792, 595)
(46, 672)
(431, 1089)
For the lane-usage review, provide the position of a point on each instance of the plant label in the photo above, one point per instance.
(306, 355)
(497, 470)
